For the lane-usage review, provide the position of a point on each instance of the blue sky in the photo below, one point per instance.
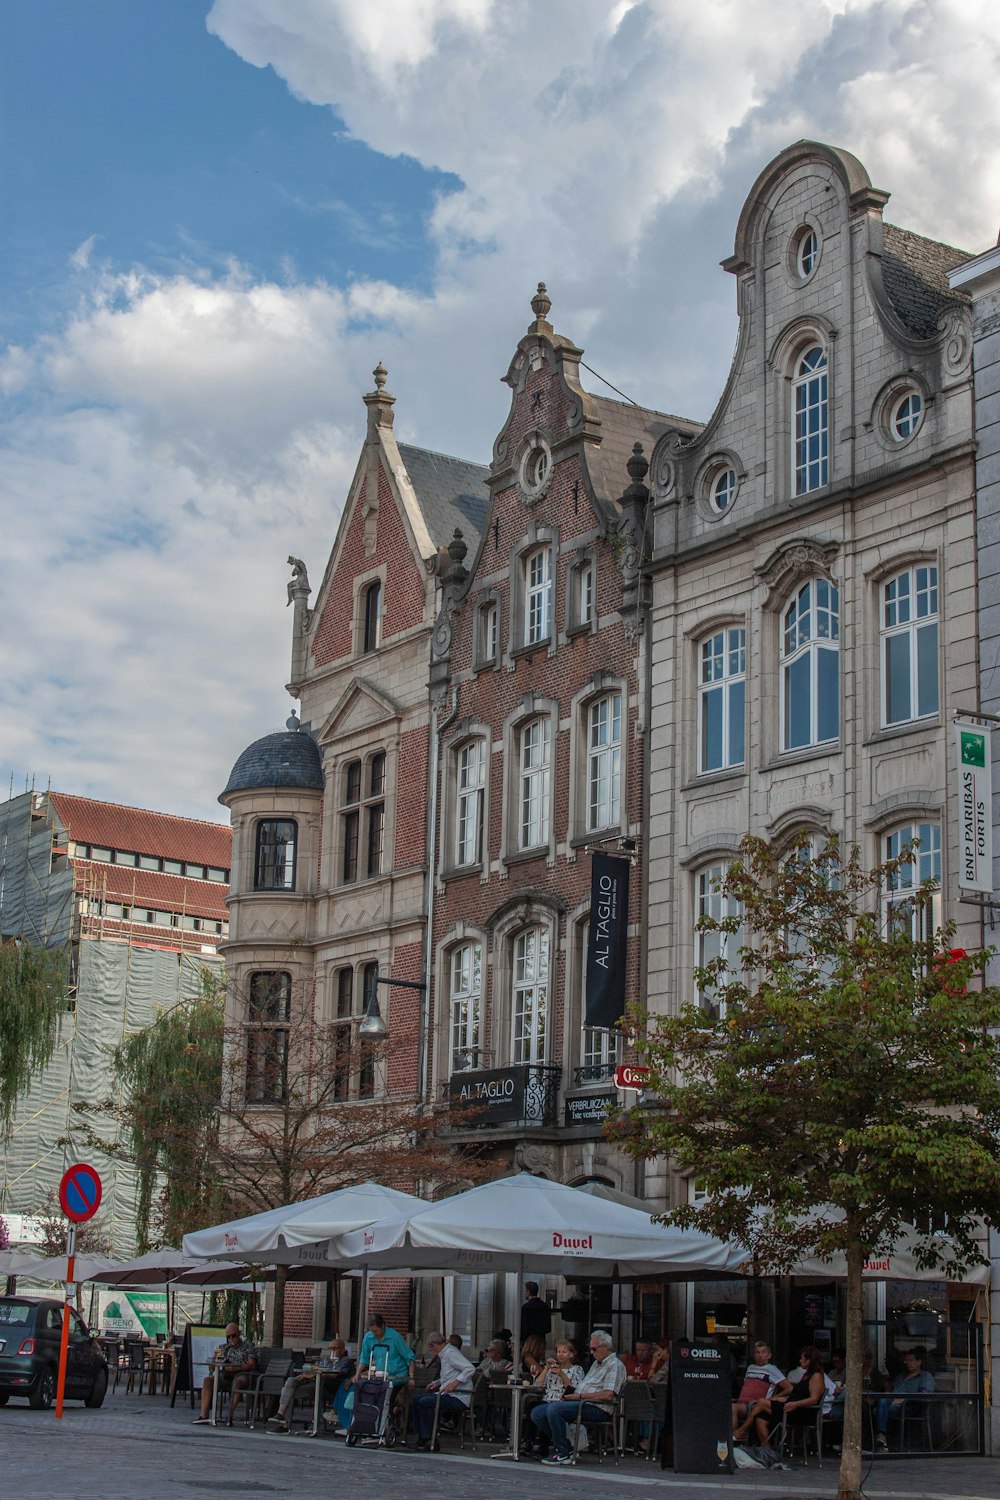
(219, 215)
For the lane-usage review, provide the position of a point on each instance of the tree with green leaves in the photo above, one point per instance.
(33, 983)
(838, 1085)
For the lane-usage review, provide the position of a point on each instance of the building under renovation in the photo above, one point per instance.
(139, 900)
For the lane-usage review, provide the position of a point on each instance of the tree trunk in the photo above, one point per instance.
(278, 1307)
(849, 1487)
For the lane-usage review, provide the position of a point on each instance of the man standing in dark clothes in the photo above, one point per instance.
(535, 1315)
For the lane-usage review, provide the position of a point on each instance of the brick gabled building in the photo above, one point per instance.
(539, 674)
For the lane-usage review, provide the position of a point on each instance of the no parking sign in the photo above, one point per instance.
(80, 1193)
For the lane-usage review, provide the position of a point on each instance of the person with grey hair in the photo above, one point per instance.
(496, 1361)
(593, 1399)
(453, 1390)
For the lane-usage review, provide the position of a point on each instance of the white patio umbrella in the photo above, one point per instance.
(297, 1233)
(85, 1268)
(897, 1264)
(18, 1262)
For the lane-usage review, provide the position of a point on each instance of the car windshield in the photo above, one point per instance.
(15, 1312)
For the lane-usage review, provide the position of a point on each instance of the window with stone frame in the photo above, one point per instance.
(537, 567)
(367, 1052)
(604, 762)
(534, 757)
(269, 997)
(465, 970)
(811, 421)
(711, 901)
(354, 1058)
(371, 616)
(362, 818)
(530, 995)
(470, 794)
(909, 623)
(810, 666)
(274, 854)
(582, 583)
(923, 839)
(722, 694)
(343, 1031)
(487, 633)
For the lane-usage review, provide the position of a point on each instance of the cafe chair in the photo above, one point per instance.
(638, 1409)
(795, 1429)
(599, 1433)
(916, 1421)
(136, 1364)
(275, 1366)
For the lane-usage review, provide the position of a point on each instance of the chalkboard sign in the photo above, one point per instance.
(701, 1402)
(200, 1343)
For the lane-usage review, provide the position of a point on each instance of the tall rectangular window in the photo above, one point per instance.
(811, 438)
(274, 861)
(466, 1002)
(531, 995)
(535, 779)
(268, 1013)
(604, 762)
(488, 633)
(711, 902)
(371, 608)
(470, 790)
(538, 597)
(923, 867)
(910, 645)
(722, 691)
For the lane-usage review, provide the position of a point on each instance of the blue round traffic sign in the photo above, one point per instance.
(80, 1193)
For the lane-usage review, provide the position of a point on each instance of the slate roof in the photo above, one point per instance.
(915, 277)
(451, 493)
(622, 426)
(289, 758)
(110, 825)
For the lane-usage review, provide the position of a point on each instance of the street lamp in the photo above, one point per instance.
(374, 1027)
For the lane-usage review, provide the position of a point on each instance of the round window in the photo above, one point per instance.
(535, 469)
(905, 415)
(803, 252)
(722, 489)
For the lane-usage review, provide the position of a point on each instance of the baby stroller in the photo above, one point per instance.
(375, 1419)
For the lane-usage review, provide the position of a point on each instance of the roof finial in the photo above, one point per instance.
(381, 375)
(292, 722)
(541, 302)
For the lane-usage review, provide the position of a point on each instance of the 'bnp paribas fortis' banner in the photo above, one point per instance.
(606, 940)
(142, 1314)
(975, 807)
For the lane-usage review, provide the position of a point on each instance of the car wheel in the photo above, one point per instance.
(42, 1396)
(98, 1390)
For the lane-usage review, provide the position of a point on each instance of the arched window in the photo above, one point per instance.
(722, 691)
(711, 901)
(274, 858)
(604, 762)
(811, 431)
(910, 645)
(371, 615)
(530, 995)
(466, 973)
(810, 673)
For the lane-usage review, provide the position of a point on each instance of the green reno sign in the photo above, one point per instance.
(138, 1313)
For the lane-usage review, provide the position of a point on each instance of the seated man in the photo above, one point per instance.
(339, 1363)
(497, 1360)
(452, 1393)
(913, 1381)
(593, 1399)
(235, 1368)
(639, 1366)
(760, 1381)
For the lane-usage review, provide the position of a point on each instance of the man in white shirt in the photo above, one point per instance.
(593, 1400)
(453, 1390)
(760, 1382)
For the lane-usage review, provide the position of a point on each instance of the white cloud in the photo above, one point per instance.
(178, 436)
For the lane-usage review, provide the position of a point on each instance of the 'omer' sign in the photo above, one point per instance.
(975, 807)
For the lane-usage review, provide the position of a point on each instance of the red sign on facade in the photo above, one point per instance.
(628, 1076)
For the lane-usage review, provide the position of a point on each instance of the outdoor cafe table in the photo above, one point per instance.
(321, 1379)
(516, 1390)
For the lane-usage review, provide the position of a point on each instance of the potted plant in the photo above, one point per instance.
(919, 1318)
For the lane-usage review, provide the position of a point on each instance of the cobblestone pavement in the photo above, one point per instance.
(137, 1447)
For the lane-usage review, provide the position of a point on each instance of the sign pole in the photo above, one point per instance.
(64, 1339)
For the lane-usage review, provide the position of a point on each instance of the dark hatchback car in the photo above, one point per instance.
(30, 1332)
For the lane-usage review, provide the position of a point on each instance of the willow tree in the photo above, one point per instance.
(838, 1085)
(32, 998)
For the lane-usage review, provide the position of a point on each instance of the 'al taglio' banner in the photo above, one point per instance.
(606, 940)
(139, 1313)
(975, 807)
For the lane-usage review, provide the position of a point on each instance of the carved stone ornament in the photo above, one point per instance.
(532, 1158)
(794, 562)
(534, 467)
(957, 348)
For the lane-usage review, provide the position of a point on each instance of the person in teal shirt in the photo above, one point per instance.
(380, 1342)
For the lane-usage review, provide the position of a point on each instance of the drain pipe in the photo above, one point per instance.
(432, 803)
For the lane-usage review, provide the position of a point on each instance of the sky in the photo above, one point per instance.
(219, 217)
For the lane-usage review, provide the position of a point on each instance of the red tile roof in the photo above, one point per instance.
(150, 890)
(111, 826)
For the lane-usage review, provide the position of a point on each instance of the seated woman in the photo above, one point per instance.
(552, 1380)
(801, 1392)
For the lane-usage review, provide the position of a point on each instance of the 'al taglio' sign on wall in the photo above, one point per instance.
(975, 807)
